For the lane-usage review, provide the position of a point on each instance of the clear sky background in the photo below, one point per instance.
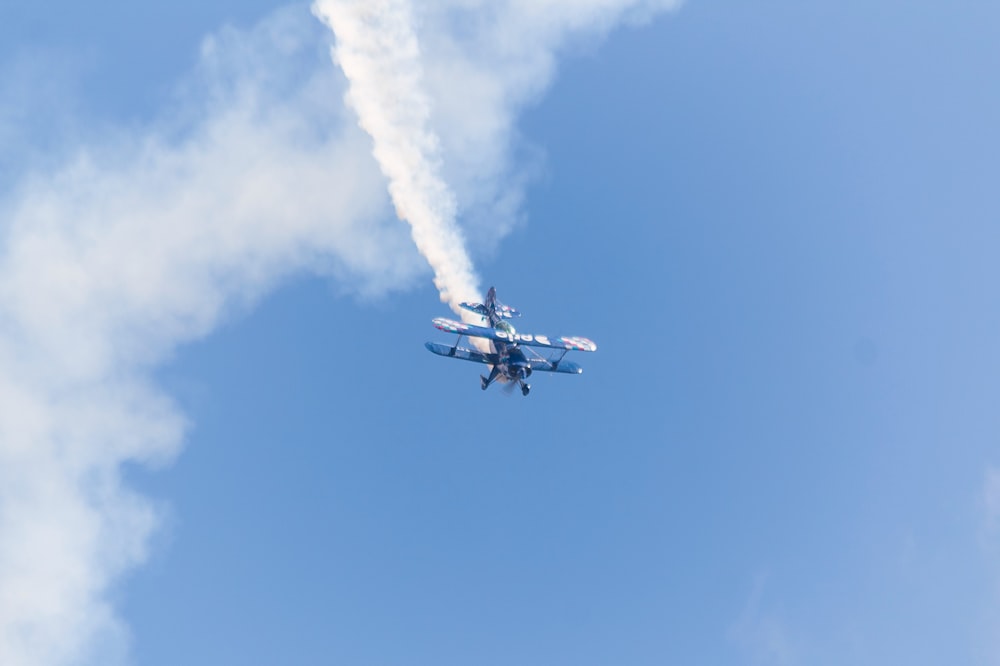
(779, 221)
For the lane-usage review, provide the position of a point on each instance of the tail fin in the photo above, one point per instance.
(478, 308)
(493, 309)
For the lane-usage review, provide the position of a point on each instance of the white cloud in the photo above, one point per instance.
(991, 500)
(760, 632)
(37, 108)
(990, 539)
(128, 250)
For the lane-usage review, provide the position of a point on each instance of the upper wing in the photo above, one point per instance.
(462, 353)
(572, 343)
(460, 327)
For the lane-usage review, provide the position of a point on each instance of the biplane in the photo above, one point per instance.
(510, 354)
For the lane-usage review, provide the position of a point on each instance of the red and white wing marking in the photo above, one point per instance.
(577, 343)
(452, 326)
(507, 312)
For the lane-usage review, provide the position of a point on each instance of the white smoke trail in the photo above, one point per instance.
(378, 51)
(440, 105)
(486, 60)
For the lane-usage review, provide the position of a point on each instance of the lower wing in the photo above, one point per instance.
(545, 365)
(538, 364)
(462, 353)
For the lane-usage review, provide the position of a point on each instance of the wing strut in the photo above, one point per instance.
(455, 348)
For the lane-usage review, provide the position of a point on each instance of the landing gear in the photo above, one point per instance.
(525, 388)
(485, 382)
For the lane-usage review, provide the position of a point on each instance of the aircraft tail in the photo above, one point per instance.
(478, 308)
(492, 309)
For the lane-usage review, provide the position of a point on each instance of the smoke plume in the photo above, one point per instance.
(378, 52)
(440, 105)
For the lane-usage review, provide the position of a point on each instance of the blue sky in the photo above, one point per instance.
(777, 221)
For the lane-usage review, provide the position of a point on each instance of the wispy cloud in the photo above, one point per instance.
(486, 61)
(760, 632)
(111, 261)
(991, 501)
(990, 539)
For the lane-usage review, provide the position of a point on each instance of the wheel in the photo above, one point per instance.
(525, 389)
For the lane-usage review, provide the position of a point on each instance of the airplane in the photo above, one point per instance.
(508, 357)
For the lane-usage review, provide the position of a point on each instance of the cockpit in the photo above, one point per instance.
(504, 326)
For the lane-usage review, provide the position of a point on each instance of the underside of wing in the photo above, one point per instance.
(545, 365)
(462, 353)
